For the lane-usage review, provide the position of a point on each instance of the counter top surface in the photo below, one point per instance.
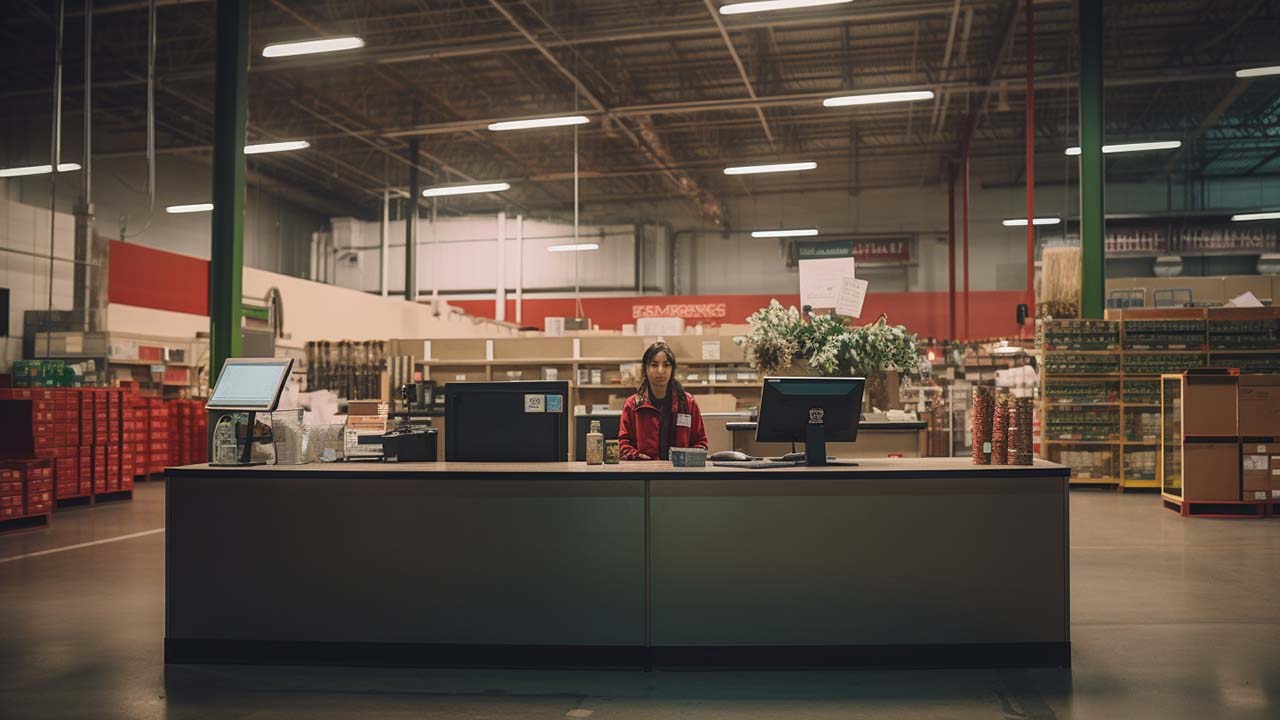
(865, 468)
(863, 426)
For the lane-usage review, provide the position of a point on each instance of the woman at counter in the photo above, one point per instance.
(660, 415)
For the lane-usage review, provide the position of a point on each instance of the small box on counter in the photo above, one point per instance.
(688, 457)
(366, 424)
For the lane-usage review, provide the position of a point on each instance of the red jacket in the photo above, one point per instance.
(639, 427)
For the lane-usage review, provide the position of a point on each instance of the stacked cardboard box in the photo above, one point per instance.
(44, 423)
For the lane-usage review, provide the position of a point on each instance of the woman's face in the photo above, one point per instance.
(659, 370)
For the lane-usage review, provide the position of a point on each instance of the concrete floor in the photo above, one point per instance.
(1172, 618)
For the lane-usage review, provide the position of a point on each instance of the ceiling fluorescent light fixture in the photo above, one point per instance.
(1246, 217)
(1133, 147)
(36, 170)
(310, 47)
(798, 232)
(197, 207)
(465, 189)
(742, 8)
(1022, 222)
(271, 147)
(573, 247)
(539, 123)
(878, 98)
(777, 167)
(1258, 72)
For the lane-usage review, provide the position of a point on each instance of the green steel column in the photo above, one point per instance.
(227, 254)
(1092, 169)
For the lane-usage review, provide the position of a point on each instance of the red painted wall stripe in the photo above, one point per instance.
(146, 277)
(924, 313)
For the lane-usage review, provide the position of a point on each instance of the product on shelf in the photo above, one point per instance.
(1248, 363)
(1263, 334)
(1156, 364)
(1000, 429)
(1080, 335)
(1022, 436)
(983, 415)
(1067, 363)
(1089, 464)
(1142, 426)
(1141, 392)
(1086, 424)
(1092, 392)
(1140, 464)
(1186, 334)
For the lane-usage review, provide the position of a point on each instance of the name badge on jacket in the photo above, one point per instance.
(684, 420)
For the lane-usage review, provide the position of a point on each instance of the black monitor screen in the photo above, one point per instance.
(506, 422)
(785, 405)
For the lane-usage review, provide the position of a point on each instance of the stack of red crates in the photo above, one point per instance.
(188, 442)
(157, 436)
(100, 442)
(26, 488)
(12, 497)
(44, 423)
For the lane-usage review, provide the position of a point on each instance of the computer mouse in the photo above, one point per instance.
(729, 455)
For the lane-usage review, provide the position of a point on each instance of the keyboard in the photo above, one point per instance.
(757, 464)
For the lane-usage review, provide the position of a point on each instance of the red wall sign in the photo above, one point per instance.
(146, 277)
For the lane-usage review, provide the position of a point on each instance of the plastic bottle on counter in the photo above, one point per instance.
(595, 444)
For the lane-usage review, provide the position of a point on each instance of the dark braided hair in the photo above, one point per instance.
(644, 392)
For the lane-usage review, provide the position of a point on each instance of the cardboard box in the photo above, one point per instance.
(1275, 477)
(1210, 471)
(1259, 406)
(1209, 406)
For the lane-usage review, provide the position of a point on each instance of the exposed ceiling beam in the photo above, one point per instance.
(704, 201)
(1220, 109)
(742, 71)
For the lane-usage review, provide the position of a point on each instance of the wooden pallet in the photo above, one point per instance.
(73, 501)
(113, 496)
(30, 522)
(1216, 508)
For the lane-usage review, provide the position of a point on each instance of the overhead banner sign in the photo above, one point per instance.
(866, 250)
(823, 267)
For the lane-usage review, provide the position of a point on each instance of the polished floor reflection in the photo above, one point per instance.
(1172, 618)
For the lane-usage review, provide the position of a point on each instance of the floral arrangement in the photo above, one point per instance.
(779, 336)
(773, 343)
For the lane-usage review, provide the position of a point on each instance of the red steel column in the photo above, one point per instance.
(951, 248)
(964, 220)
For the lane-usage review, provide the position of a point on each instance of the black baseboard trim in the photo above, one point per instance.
(866, 657)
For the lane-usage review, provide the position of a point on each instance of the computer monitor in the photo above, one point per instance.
(815, 410)
(520, 421)
(252, 384)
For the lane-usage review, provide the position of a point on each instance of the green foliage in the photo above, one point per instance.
(772, 344)
(870, 351)
(779, 336)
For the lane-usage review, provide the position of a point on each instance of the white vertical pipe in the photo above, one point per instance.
(500, 284)
(435, 260)
(385, 240)
(520, 269)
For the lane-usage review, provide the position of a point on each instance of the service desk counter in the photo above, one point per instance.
(892, 563)
(875, 439)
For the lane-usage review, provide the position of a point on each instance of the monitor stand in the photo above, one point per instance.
(815, 447)
(246, 454)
